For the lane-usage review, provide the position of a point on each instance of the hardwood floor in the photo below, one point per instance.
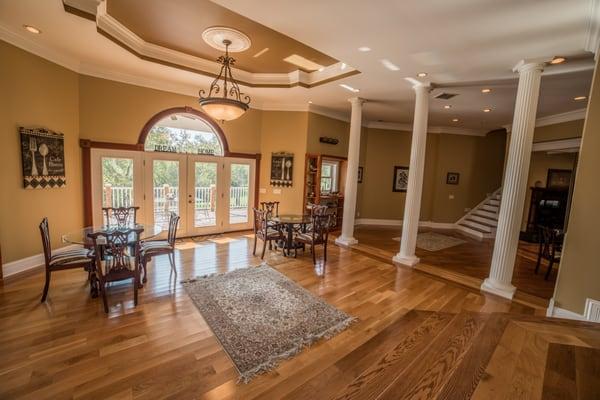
(471, 259)
(424, 337)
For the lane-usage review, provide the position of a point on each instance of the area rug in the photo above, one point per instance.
(432, 241)
(261, 317)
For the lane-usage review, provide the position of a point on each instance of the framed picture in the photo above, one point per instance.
(558, 179)
(282, 169)
(43, 158)
(452, 178)
(400, 179)
(360, 174)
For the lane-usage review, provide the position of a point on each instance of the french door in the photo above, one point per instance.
(210, 194)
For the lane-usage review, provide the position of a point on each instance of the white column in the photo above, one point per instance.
(515, 181)
(347, 236)
(412, 206)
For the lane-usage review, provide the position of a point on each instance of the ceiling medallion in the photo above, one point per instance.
(232, 103)
(215, 37)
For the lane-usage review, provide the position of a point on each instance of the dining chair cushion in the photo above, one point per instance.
(74, 256)
(154, 246)
(304, 237)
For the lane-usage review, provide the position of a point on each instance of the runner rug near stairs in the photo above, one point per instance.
(432, 241)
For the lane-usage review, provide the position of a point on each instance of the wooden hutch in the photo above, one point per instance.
(312, 185)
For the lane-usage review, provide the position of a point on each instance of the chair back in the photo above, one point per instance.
(320, 227)
(317, 209)
(172, 233)
(260, 222)
(113, 252)
(45, 232)
(271, 208)
(121, 216)
(549, 242)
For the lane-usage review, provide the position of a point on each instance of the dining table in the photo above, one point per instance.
(81, 237)
(293, 223)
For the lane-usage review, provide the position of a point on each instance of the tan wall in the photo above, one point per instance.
(579, 272)
(479, 160)
(284, 131)
(116, 112)
(319, 125)
(541, 162)
(36, 93)
(564, 130)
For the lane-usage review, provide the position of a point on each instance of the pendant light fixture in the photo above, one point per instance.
(224, 101)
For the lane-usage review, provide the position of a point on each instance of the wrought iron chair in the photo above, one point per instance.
(151, 248)
(123, 216)
(550, 248)
(271, 207)
(114, 261)
(264, 231)
(318, 235)
(70, 259)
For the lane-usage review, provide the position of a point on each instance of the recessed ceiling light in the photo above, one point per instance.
(579, 98)
(558, 60)
(447, 106)
(364, 49)
(454, 119)
(487, 109)
(32, 29)
(422, 74)
(310, 102)
(389, 65)
(350, 88)
(321, 69)
(486, 90)
(343, 66)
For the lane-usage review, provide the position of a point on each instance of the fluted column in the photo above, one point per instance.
(412, 206)
(515, 181)
(347, 236)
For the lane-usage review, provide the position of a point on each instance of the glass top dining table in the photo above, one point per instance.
(292, 219)
(80, 236)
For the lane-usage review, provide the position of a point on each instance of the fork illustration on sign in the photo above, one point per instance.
(33, 149)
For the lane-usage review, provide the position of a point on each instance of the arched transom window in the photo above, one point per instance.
(184, 133)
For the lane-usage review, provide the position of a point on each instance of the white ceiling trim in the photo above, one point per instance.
(453, 130)
(121, 33)
(592, 42)
(556, 118)
(563, 144)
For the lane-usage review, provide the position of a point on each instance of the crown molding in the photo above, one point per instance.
(326, 112)
(556, 118)
(452, 130)
(282, 107)
(114, 30)
(553, 145)
(592, 40)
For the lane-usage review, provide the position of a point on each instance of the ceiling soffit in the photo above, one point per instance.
(114, 30)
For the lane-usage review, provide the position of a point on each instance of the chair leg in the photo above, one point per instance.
(262, 255)
(172, 260)
(325, 252)
(46, 286)
(314, 254)
(136, 279)
(103, 292)
(549, 269)
(254, 251)
(145, 268)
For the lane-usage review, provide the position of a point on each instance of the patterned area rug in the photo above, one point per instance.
(432, 241)
(261, 317)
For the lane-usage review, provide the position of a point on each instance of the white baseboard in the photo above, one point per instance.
(592, 311)
(27, 263)
(398, 222)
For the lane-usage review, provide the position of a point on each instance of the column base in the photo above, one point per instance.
(409, 261)
(345, 241)
(497, 288)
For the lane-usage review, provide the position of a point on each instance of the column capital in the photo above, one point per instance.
(356, 100)
(416, 84)
(530, 65)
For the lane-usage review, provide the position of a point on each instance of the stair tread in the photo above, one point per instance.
(474, 228)
(490, 224)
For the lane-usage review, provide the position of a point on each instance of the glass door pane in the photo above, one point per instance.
(117, 183)
(165, 190)
(205, 194)
(238, 193)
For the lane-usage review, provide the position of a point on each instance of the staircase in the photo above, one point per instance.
(482, 220)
